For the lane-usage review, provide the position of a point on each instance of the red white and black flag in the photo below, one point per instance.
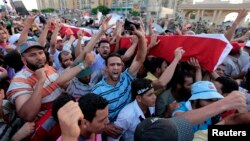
(209, 49)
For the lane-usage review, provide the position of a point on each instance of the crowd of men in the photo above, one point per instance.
(59, 82)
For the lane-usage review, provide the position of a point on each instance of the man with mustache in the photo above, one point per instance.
(36, 86)
(116, 87)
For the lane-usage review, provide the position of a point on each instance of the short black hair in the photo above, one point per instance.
(153, 64)
(59, 103)
(62, 53)
(90, 103)
(13, 59)
(103, 41)
(112, 55)
(228, 84)
(138, 84)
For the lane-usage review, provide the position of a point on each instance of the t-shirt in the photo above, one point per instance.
(25, 81)
(118, 96)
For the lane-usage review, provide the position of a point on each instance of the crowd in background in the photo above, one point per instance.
(59, 82)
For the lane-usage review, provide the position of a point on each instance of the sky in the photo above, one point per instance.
(29, 4)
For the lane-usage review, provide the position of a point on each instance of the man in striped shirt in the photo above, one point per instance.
(116, 87)
(36, 86)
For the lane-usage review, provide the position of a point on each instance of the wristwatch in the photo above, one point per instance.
(81, 65)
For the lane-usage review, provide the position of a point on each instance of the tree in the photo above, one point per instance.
(105, 10)
(34, 10)
(135, 13)
(48, 10)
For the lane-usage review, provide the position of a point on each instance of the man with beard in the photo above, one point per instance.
(116, 87)
(103, 50)
(36, 86)
(180, 90)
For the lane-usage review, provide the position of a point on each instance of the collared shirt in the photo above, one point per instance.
(233, 66)
(244, 58)
(99, 63)
(56, 62)
(25, 82)
(118, 96)
(129, 117)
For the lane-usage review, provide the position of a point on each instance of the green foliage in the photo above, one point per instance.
(48, 10)
(135, 13)
(34, 10)
(105, 10)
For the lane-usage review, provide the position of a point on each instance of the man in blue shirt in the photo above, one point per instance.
(116, 87)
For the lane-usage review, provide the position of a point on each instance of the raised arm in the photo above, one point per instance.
(42, 38)
(91, 44)
(154, 42)
(241, 16)
(54, 37)
(169, 71)
(130, 51)
(70, 73)
(235, 100)
(118, 35)
(27, 25)
(28, 106)
(150, 30)
(78, 49)
(195, 63)
(141, 52)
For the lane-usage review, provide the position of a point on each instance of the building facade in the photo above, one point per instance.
(214, 11)
(72, 4)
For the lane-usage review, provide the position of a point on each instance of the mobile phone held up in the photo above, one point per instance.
(128, 23)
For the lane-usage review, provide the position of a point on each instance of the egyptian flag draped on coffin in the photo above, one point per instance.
(209, 49)
(67, 28)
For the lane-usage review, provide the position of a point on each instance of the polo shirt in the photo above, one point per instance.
(233, 66)
(118, 95)
(25, 82)
(99, 63)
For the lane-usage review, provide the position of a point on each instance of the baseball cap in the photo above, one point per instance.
(204, 90)
(29, 44)
(164, 129)
(84, 73)
(140, 86)
(236, 46)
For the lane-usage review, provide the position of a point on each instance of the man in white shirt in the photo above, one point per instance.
(141, 108)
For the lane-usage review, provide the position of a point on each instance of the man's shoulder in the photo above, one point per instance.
(128, 111)
(99, 86)
(23, 73)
